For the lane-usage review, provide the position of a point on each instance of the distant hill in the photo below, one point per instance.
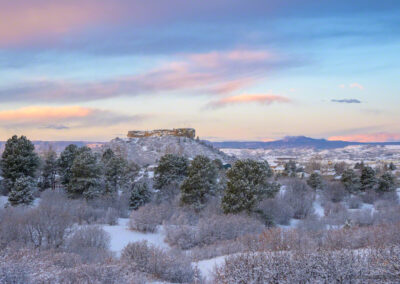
(294, 142)
(57, 146)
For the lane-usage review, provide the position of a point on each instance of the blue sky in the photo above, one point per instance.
(234, 70)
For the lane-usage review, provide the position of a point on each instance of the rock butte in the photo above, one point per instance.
(178, 132)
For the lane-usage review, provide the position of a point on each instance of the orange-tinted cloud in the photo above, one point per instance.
(39, 113)
(375, 137)
(23, 21)
(60, 118)
(249, 98)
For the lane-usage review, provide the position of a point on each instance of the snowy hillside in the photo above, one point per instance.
(147, 150)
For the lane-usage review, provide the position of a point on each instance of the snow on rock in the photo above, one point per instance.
(121, 235)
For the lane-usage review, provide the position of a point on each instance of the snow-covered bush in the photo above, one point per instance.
(182, 236)
(90, 242)
(335, 214)
(149, 216)
(354, 202)
(334, 192)
(226, 227)
(315, 267)
(111, 217)
(363, 217)
(280, 211)
(14, 273)
(300, 197)
(167, 265)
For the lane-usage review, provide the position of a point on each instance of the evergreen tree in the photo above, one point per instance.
(65, 162)
(247, 185)
(140, 195)
(359, 166)
(392, 166)
(85, 176)
(200, 183)
(18, 160)
(21, 192)
(115, 168)
(368, 179)
(290, 169)
(170, 169)
(315, 181)
(386, 183)
(340, 168)
(49, 170)
(350, 181)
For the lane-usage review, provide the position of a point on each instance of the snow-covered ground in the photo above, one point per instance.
(121, 235)
(206, 266)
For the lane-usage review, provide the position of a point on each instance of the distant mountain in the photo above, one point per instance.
(293, 142)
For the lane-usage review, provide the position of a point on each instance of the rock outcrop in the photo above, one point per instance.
(178, 132)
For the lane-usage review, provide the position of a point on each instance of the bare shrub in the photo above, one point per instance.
(334, 192)
(280, 211)
(363, 217)
(300, 197)
(387, 213)
(14, 273)
(354, 202)
(52, 219)
(149, 216)
(370, 196)
(170, 266)
(111, 217)
(182, 236)
(226, 227)
(93, 273)
(316, 267)
(335, 214)
(90, 242)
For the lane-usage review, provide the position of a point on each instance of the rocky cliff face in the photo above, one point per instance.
(178, 132)
(148, 150)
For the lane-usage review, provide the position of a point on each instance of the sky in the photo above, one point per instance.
(232, 69)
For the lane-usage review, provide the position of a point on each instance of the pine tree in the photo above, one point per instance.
(315, 181)
(140, 195)
(85, 175)
(115, 168)
(170, 169)
(368, 179)
(386, 183)
(290, 169)
(18, 160)
(392, 166)
(351, 181)
(65, 162)
(247, 185)
(49, 170)
(21, 192)
(200, 183)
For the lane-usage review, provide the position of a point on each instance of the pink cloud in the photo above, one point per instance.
(266, 99)
(211, 74)
(375, 137)
(356, 85)
(26, 21)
